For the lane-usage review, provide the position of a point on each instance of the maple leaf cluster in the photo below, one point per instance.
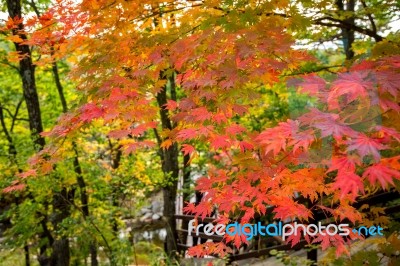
(326, 157)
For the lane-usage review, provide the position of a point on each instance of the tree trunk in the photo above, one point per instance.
(61, 204)
(347, 34)
(77, 167)
(115, 158)
(60, 256)
(186, 179)
(170, 167)
(27, 72)
(27, 260)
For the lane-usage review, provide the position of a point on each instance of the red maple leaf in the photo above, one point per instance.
(204, 209)
(389, 132)
(348, 183)
(244, 145)
(238, 239)
(365, 145)
(132, 147)
(187, 149)
(275, 139)
(116, 95)
(334, 128)
(235, 129)
(248, 215)
(327, 123)
(200, 114)
(352, 85)
(27, 173)
(90, 111)
(347, 163)
(302, 139)
(389, 81)
(287, 208)
(295, 238)
(196, 251)
(221, 249)
(313, 85)
(140, 129)
(387, 104)
(119, 133)
(187, 133)
(220, 142)
(335, 240)
(171, 105)
(381, 173)
(16, 187)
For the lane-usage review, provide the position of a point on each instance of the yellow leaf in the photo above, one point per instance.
(15, 38)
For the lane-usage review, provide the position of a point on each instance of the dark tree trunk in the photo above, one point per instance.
(27, 260)
(170, 167)
(186, 193)
(115, 162)
(60, 256)
(186, 179)
(347, 33)
(61, 204)
(27, 72)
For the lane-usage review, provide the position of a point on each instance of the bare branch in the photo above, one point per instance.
(14, 117)
(10, 65)
(342, 24)
(3, 124)
(371, 19)
(34, 7)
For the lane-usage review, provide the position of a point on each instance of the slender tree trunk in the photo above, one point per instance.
(115, 156)
(60, 256)
(77, 167)
(169, 160)
(27, 72)
(170, 167)
(27, 260)
(186, 179)
(186, 192)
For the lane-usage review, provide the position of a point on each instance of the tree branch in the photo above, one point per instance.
(318, 69)
(10, 65)
(371, 19)
(343, 24)
(34, 7)
(3, 124)
(15, 115)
